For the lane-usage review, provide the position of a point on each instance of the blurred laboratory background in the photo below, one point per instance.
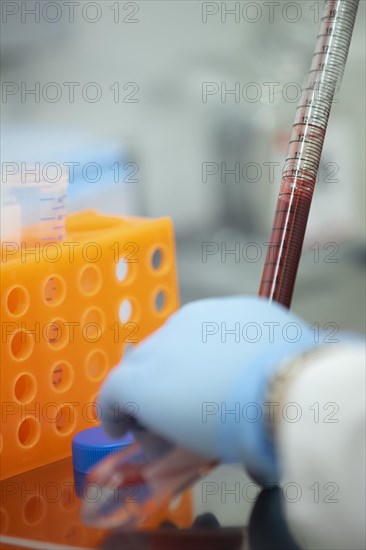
(185, 109)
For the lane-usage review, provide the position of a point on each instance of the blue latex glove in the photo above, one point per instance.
(202, 387)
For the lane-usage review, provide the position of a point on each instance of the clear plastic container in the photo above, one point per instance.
(33, 206)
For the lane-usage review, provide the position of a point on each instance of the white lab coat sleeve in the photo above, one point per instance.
(320, 438)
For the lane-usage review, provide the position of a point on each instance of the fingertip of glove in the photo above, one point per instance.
(114, 429)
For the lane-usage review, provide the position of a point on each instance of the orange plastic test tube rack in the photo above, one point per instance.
(69, 310)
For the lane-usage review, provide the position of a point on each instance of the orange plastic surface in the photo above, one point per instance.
(68, 312)
(42, 505)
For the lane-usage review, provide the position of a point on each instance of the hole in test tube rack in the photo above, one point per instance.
(17, 301)
(34, 510)
(93, 325)
(54, 290)
(125, 311)
(96, 365)
(157, 259)
(122, 270)
(65, 420)
(29, 432)
(25, 388)
(160, 301)
(21, 345)
(62, 376)
(90, 280)
(55, 333)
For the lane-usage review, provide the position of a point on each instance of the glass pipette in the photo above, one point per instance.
(156, 481)
(305, 149)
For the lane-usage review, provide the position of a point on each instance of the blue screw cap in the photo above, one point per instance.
(92, 445)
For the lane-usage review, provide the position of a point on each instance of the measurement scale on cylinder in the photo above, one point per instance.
(305, 149)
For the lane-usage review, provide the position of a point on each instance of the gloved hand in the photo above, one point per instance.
(202, 379)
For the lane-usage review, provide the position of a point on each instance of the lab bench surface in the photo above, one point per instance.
(39, 509)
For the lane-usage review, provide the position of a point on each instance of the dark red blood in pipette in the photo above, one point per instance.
(287, 237)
